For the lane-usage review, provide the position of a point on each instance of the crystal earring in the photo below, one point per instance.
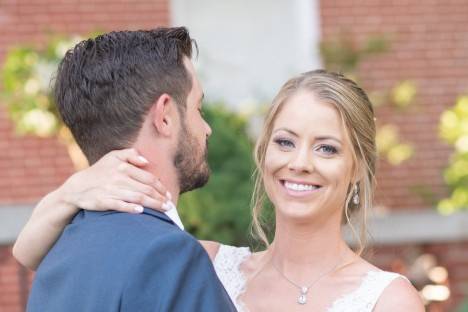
(356, 195)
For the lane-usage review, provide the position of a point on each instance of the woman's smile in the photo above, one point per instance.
(297, 188)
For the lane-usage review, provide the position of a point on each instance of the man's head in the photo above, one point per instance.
(107, 88)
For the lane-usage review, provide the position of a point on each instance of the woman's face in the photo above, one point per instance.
(308, 161)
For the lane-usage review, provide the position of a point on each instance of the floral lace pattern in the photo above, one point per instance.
(365, 297)
(229, 259)
(227, 265)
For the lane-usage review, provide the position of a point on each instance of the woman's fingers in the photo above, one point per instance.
(140, 199)
(122, 206)
(143, 178)
(131, 156)
(136, 173)
(137, 160)
(161, 189)
(118, 182)
(130, 184)
(131, 163)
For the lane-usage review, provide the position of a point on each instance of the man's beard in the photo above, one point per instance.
(191, 163)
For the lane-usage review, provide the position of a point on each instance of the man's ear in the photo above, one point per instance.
(163, 115)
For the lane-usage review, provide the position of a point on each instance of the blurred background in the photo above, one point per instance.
(411, 57)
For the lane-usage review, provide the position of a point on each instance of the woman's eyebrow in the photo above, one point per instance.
(328, 137)
(318, 138)
(287, 130)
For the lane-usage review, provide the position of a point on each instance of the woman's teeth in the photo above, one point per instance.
(299, 187)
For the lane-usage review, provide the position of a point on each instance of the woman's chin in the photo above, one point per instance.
(298, 212)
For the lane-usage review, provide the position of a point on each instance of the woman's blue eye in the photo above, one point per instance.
(328, 149)
(284, 142)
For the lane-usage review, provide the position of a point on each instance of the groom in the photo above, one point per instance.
(132, 89)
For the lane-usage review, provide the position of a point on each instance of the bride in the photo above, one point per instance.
(315, 162)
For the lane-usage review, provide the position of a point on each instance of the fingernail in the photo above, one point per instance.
(138, 209)
(168, 195)
(171, 205)
(143, 159)
(165, 206)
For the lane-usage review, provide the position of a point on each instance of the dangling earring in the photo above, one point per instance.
(356, 195)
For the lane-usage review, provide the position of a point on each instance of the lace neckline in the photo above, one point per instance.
(229, 260)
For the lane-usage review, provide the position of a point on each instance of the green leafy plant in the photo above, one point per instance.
(463, 306)
(342, 54)
(453, 128)
(220, 210)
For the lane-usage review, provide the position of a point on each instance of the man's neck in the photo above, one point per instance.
(161, 165)
(167, 175)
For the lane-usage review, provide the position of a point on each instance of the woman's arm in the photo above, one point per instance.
(211, 248)
(116, 182)
(45, 225)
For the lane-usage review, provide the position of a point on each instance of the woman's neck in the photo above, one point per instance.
(305, 251)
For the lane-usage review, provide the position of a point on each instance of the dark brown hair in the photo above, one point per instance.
(105, 86)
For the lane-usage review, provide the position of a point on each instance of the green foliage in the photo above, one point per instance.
(403, 94)
(453, 128)
(388, 144)
(220, 210)
(463, 306)
(27, 74)
(342, 54)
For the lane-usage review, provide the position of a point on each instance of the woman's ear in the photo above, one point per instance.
(359, 174)
(163, 115)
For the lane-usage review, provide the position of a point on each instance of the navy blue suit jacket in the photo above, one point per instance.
(111, 261)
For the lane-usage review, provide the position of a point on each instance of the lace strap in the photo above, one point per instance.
(227, 265)
(366, 296)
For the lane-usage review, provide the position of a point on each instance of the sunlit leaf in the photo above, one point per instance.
(403, 93)
(399, 153)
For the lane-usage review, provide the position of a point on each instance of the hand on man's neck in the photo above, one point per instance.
(157, 141)
(159, 152)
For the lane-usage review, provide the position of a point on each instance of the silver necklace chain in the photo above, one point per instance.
(302, 299)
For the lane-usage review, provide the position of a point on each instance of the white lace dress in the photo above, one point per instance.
(363, 299)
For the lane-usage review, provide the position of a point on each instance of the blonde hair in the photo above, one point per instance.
(357, 115)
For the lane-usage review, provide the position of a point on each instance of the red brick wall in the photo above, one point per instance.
(31, 167)
(14, 282)
(430, 47)
(453, 256)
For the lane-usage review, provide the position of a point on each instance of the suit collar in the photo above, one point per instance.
(86, 214)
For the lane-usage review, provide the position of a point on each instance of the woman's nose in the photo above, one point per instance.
(301, 161)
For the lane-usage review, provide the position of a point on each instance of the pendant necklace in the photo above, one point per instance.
(302, 299)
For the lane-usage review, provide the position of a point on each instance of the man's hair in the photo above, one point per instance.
(105, 86)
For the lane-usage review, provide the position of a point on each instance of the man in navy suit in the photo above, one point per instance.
(133, 89)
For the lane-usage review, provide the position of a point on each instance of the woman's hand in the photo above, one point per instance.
(116, 182)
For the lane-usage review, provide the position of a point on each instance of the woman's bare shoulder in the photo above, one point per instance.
(211, 248)
(400, 287)
(408, 297)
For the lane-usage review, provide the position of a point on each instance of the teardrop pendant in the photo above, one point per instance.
(302, 299)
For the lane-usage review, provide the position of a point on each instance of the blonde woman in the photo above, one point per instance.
(315, 162)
